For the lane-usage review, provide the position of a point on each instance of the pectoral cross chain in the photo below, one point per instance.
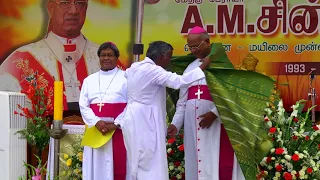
(198, 93)
(74, 85)
(100, 106)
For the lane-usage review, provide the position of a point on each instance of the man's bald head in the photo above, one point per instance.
(199, 42)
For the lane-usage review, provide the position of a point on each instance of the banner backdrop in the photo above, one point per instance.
(278, 38)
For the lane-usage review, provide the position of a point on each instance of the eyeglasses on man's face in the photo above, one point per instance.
(67, 4)
(193, 48)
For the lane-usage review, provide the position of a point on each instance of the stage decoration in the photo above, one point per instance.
(175, 154)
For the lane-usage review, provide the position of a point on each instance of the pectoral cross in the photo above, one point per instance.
(198, 93)
(100, 106)
(73, 84)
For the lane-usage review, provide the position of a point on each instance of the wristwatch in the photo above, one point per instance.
(118, 125)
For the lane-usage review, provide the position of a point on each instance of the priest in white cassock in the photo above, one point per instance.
(208, 151)
(103, 97)
(143, 122)
(64, 54)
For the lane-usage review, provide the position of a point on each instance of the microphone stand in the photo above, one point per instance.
(312, 95)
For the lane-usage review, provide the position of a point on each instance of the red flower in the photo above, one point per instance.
(171, 152)
(268, 159)
(287, 176)
(295, 119)
(279, 167)
(295, 157)
(266, 119)
(319, 146)
(279, 151)
(315, 128)
(181, 147)
(307, 138)
(181, 135)
(173, 178)
(309, 170)
(297, 175)
(294, 137)
(272, 130)
(177, 163)
(172, 140)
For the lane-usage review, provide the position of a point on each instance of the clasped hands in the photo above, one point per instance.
(206, 121)
(105, 127)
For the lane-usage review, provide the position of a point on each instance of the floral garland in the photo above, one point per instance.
(296, 141)
(175, 154)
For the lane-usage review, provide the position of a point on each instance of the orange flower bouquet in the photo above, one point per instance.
(37, 130)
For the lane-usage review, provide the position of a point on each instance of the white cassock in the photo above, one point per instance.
(50, 59)
(203, 153)
(144, 120)
(107, 162)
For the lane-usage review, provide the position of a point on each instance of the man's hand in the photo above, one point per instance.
(102, 127)
(172, 130)
(111, 126)
(207, 119)
(205, 63)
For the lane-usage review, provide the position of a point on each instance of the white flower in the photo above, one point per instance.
(178, 176)
(283, 161)
(269, 124)
(179, 168)
(171, 167)
(270, 167)
(169, 150)
(272, 150)
(288, 157)
(294, 113)
(280, 104)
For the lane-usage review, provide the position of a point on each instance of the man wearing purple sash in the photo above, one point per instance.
(103, 97)
(208, 151)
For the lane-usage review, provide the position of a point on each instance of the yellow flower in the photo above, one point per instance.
(69, 162)
(65, 156)
(77, 171)
(80, 155)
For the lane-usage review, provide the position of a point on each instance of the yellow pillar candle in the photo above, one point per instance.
(58, 100)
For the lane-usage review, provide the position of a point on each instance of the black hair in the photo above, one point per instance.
(109, 45)
(158, 48)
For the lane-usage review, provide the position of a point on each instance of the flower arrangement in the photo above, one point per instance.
(35, 173)
(37, 130)
(175, 154)
(296, 142)
(73, 162)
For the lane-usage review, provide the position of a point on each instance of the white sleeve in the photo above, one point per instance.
(215, 110)
(87, 114)
(178, 117)
(172, 80)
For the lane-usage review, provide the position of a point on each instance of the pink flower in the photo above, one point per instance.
(36, 177)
